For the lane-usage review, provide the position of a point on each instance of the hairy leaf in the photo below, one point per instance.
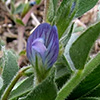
(25, 87)
(51, 9)
(80, 49)
(84, 6)
(64, 15)
(10, 69)
(95, 92)
(46, 89)
(90, 79)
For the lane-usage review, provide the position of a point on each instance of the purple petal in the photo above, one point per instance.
(53, 47)
(39, 47)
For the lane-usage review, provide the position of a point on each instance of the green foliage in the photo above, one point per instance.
(67, 48)
(80, 49)
(69, 86)
(19, 21)
(67, 36)
(38, 1)
(63, 71)
(78, 77)
(95, 92)
(19, 8)
(51, 10)
(90, 98)
(26, 9)
(84, 6)
(1, 82)
(12, 7)
(73, 77)
(46, 89)
(29, 72)
(25, 87)
(9, 69)
(87, 84)
(64, 17)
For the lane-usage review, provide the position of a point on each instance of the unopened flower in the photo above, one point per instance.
(43, 45)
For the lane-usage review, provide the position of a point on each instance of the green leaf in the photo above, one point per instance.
(19, 9)
(80, 49)
(90, 79)
(88, 84)
(25, 87)
(23, 52)
(10, 69)
(1, 82)
(67, 48)
(29, 72)
(44, 91)
(84, 6)
(55, 2)
(64, 15)
(90, 98)
(95, 92)
(62, 67)
(69, 88)
(51, 10)
(12, 7)
(67, 36)
(38, 1)
(27, 7)
(19, 21)
(79, 29)
(63, 71)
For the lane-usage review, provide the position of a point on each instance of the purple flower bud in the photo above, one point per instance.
(43, 42)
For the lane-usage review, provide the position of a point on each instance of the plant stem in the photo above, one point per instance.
(21, 30)
(13, 82)
(77, 78)
(71, 84)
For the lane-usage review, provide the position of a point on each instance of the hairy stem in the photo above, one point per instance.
(77, 78)
(13, 82)
(71, 84)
